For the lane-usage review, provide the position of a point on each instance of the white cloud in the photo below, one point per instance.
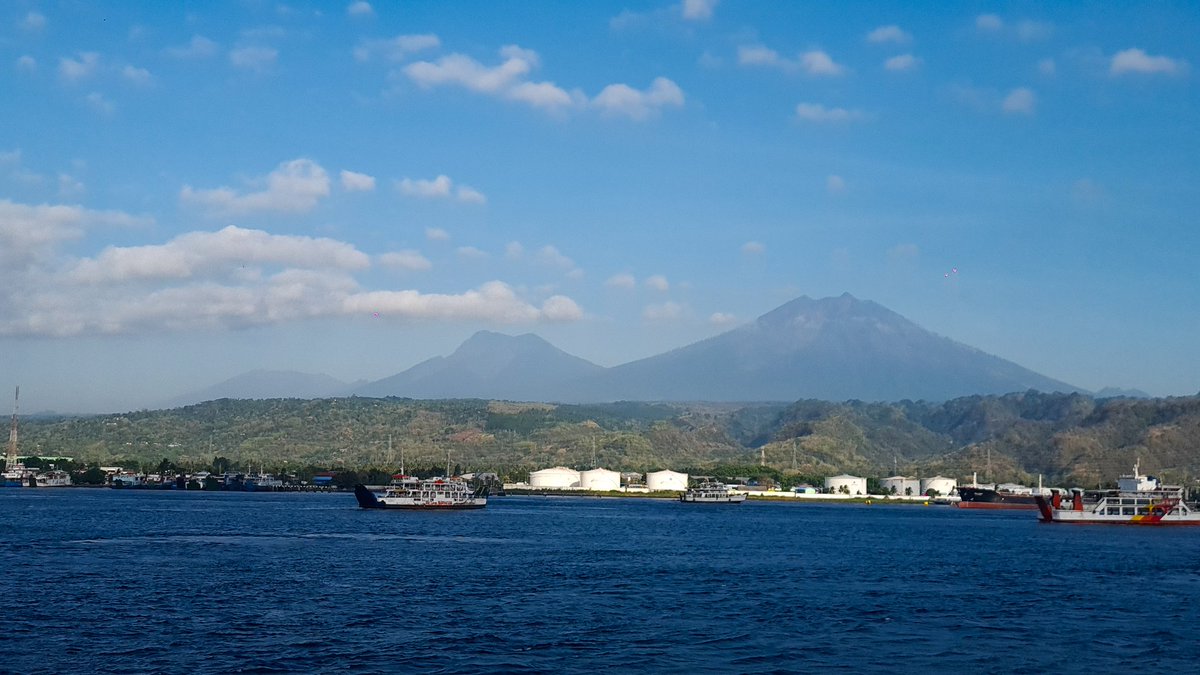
(815, 112)
(989, 22)
(550, 255)
(623, 281)
(1047, 67)
(901, 63)
(408, 260)
(138, 76)
(293, 187)
(621, 99)
(814, 62)
(753, 248)
(657, 282)
(507, 80)
(514, 250)
(1137, 61)
(31, 235)
(257, 59)
(1020, 101)
(70, 187)
(666, 311)
(722, 319)
(698, 10)
(33, 22)
(357, 182)
(360, 8)
(96, 101)
(436, 234)
(889, 34)
(199, 47)
(26, 63)
(471, 253)
(437, 188)
(469, 195)
(73, 70)
(396, 49)
(493, 301)
(835, 185)
(205, 254)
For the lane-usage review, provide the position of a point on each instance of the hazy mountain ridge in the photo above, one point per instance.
(258, 384)
(1069, 439)
(831, 349)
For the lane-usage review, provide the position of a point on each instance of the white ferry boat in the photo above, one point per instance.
(711, 493)
(1138, 500)
(53, 478)
(430, 494)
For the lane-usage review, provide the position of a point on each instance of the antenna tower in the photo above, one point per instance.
(11, 460)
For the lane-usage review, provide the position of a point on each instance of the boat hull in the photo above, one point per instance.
(987, 498)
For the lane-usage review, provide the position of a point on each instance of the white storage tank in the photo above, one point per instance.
(667, 480)
(558, 477)
(600, 480)
(941, 484)
(853, 485)
(902, 486)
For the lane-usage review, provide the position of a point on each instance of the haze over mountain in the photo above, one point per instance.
(258, 384)
(833, 349)
(491, 365)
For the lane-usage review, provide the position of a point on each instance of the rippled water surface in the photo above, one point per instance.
(140, 581)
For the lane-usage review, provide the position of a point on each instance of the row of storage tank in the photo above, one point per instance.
(560, 477)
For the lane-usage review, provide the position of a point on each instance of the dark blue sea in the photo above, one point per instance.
(175, 582)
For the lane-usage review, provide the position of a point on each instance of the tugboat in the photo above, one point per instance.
(1138, 500)
(430, 494)
(711, 493)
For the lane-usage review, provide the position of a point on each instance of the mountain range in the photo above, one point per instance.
(834, 349)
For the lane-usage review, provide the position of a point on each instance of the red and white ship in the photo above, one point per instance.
(1138, 500)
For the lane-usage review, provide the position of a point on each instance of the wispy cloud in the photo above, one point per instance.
(357, 182)
(658, 282)
(815, 112)
(892, 34)
(901, 63)
(84, 65)
(361, 8)
(407, 260)
(439, 188)
(621, 99)
(436, 234)
(753, 248)
(698, 10)
(624, 281)
(1019, 101)
(814, 62)
(254, 58)
(1136, 61)
(666, 311)
(397, 48)
(293, 187)
(199, 47)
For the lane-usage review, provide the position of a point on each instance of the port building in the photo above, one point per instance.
(853, 485)
(601, 480)
(902, 486)
(666, 480)
(941, 484)
(559, 477)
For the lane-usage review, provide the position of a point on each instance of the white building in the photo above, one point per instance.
(667, 480)
(559, 477)
(853, 485)
(941, 484)
(600, 480)
(901, 485)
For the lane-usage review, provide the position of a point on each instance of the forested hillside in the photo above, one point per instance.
(1067, 438)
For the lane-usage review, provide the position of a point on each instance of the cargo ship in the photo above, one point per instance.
(1000, 496)
(1138, 500)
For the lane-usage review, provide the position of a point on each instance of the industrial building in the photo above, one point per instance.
(666, 480)
(853, 485)
(941, 484)
(600, 480)
(901, 485)
(559, 477)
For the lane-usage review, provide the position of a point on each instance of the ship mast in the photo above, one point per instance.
(11, 460)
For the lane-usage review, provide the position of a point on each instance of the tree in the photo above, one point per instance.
(221, 464)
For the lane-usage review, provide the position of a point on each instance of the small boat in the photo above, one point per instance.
(429, 494)
(53, 478)
(711, 493)
(1138, 500)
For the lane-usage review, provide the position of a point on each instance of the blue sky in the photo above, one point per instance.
(189, 192)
